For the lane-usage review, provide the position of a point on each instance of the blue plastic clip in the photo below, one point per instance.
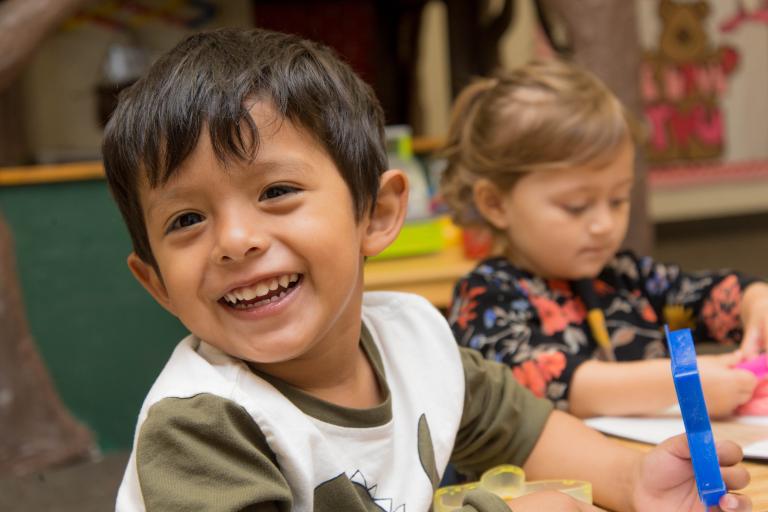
(685, 374)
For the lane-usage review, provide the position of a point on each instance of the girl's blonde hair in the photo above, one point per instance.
(544, 115)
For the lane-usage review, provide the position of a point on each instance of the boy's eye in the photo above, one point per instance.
(278, 190)
(185, 220)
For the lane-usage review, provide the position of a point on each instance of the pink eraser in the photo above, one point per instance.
(757, 365)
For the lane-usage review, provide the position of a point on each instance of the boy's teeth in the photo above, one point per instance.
(261, 289)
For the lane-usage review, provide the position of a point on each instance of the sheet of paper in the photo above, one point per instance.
(750, 432)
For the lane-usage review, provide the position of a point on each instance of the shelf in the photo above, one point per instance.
(432, 276)
(39, 174)
(707, 191)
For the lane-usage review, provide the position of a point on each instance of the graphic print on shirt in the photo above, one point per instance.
(336, 492)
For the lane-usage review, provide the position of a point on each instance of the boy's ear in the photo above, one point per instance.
(489, 201)
(388, 214)
(150, 280)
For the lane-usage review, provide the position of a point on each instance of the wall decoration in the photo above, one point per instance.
(682, 83)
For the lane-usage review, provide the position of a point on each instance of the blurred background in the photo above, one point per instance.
(81, 342)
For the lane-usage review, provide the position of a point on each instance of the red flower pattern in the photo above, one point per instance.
(536, 373)
(648, 314)
(554, 317)
(468, 304)
(560, 287)
(721, 310)
(602, 288)
(537, 316)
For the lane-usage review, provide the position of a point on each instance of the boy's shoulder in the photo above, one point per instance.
(396, 303)
(194, 368)
(406, 323)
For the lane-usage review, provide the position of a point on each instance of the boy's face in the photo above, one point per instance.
(568, 223)
(263, 259)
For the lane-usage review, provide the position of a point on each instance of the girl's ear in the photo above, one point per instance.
(489, 201)
(388, 215)
(150, 280)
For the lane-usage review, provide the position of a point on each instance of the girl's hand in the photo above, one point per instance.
(754, 316)
(665, 481)
(725, 388)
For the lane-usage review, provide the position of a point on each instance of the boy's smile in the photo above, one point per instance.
(261, 293)
(261, 259)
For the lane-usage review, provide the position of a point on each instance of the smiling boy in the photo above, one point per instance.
(250, 169)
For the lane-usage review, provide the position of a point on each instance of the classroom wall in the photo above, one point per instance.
(102, 337)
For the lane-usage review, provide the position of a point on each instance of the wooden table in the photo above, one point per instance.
(757, 490)
(431, 276)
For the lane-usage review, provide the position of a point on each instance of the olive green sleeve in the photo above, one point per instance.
(502, 420)
(207, 453)
(478, 500)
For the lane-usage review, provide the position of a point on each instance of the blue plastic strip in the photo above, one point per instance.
(685, 374)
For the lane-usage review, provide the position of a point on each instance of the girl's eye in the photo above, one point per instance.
(278, 190)
(619, 202)
(185, 220)
(575, 209)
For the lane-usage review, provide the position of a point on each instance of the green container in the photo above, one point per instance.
(416, 238)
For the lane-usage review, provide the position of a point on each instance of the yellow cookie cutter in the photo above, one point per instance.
(508, 482)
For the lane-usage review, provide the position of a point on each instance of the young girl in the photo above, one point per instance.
(543, 157)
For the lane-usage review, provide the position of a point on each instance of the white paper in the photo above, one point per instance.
(751, 432)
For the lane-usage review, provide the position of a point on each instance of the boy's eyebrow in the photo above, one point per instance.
(288, 168)
(168, 195)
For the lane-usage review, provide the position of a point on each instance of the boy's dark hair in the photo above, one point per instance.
(206, 79)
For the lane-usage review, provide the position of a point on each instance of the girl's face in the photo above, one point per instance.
(568, 223)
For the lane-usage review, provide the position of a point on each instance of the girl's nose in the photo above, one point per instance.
(602, 221)
(238, 237)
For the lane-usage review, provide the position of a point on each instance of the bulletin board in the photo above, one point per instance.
(704, 84)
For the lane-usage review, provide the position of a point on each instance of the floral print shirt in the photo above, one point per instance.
(538, 326)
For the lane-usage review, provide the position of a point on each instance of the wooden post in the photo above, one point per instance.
(602, 37)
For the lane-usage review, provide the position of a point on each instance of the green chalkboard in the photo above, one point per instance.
(101, 335)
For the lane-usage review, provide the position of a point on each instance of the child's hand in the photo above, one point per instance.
(549, 500)
(665, 481)
(754, 315)
(725, 388)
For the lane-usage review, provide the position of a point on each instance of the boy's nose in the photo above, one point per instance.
(238, 239)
